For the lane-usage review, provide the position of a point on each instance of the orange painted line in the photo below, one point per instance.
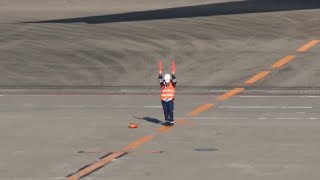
(230, 94)
(200, 109)
(308, 46)
(257, 77)
(109, 158)
(184, 122)
(164, 128)
(137, 143)
(177, 121)
(95, 166)
(283, 61)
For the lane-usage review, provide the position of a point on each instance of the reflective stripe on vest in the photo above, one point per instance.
(167, 93)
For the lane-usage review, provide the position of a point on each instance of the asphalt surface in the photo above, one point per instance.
(74, 74)
(246, 137)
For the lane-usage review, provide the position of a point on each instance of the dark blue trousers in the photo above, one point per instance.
(168, 108)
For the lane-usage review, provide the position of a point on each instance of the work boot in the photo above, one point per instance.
(167, 123)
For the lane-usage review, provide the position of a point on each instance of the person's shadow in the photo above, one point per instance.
(150, 119)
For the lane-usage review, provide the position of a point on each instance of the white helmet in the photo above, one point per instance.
(167, 78)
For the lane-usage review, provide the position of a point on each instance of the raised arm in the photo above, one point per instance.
(174, 80)
(160, 79)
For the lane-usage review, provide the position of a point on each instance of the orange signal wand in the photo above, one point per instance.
(173, 67)
(160, 67)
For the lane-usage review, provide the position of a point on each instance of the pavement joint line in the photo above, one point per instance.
(263, 107)
(289, 118)
(308, 46)
(215, 118)
(277, 96)
(251, 118)
(152, 107)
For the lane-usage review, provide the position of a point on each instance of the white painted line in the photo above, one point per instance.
(284, 118)
(124, 107)
(288, 118)
(261, 107)
(235, 118)
(274, 96)
(80, 106)
(248, 107)
(134, 107)
(152, 107)
(298, 107)
(209, 118)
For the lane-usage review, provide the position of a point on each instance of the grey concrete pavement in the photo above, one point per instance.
(253, 137)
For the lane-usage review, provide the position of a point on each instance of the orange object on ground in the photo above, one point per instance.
(133, 125)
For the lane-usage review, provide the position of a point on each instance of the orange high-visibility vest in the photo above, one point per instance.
(167, 92)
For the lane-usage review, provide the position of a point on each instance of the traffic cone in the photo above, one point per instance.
(133, 125)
